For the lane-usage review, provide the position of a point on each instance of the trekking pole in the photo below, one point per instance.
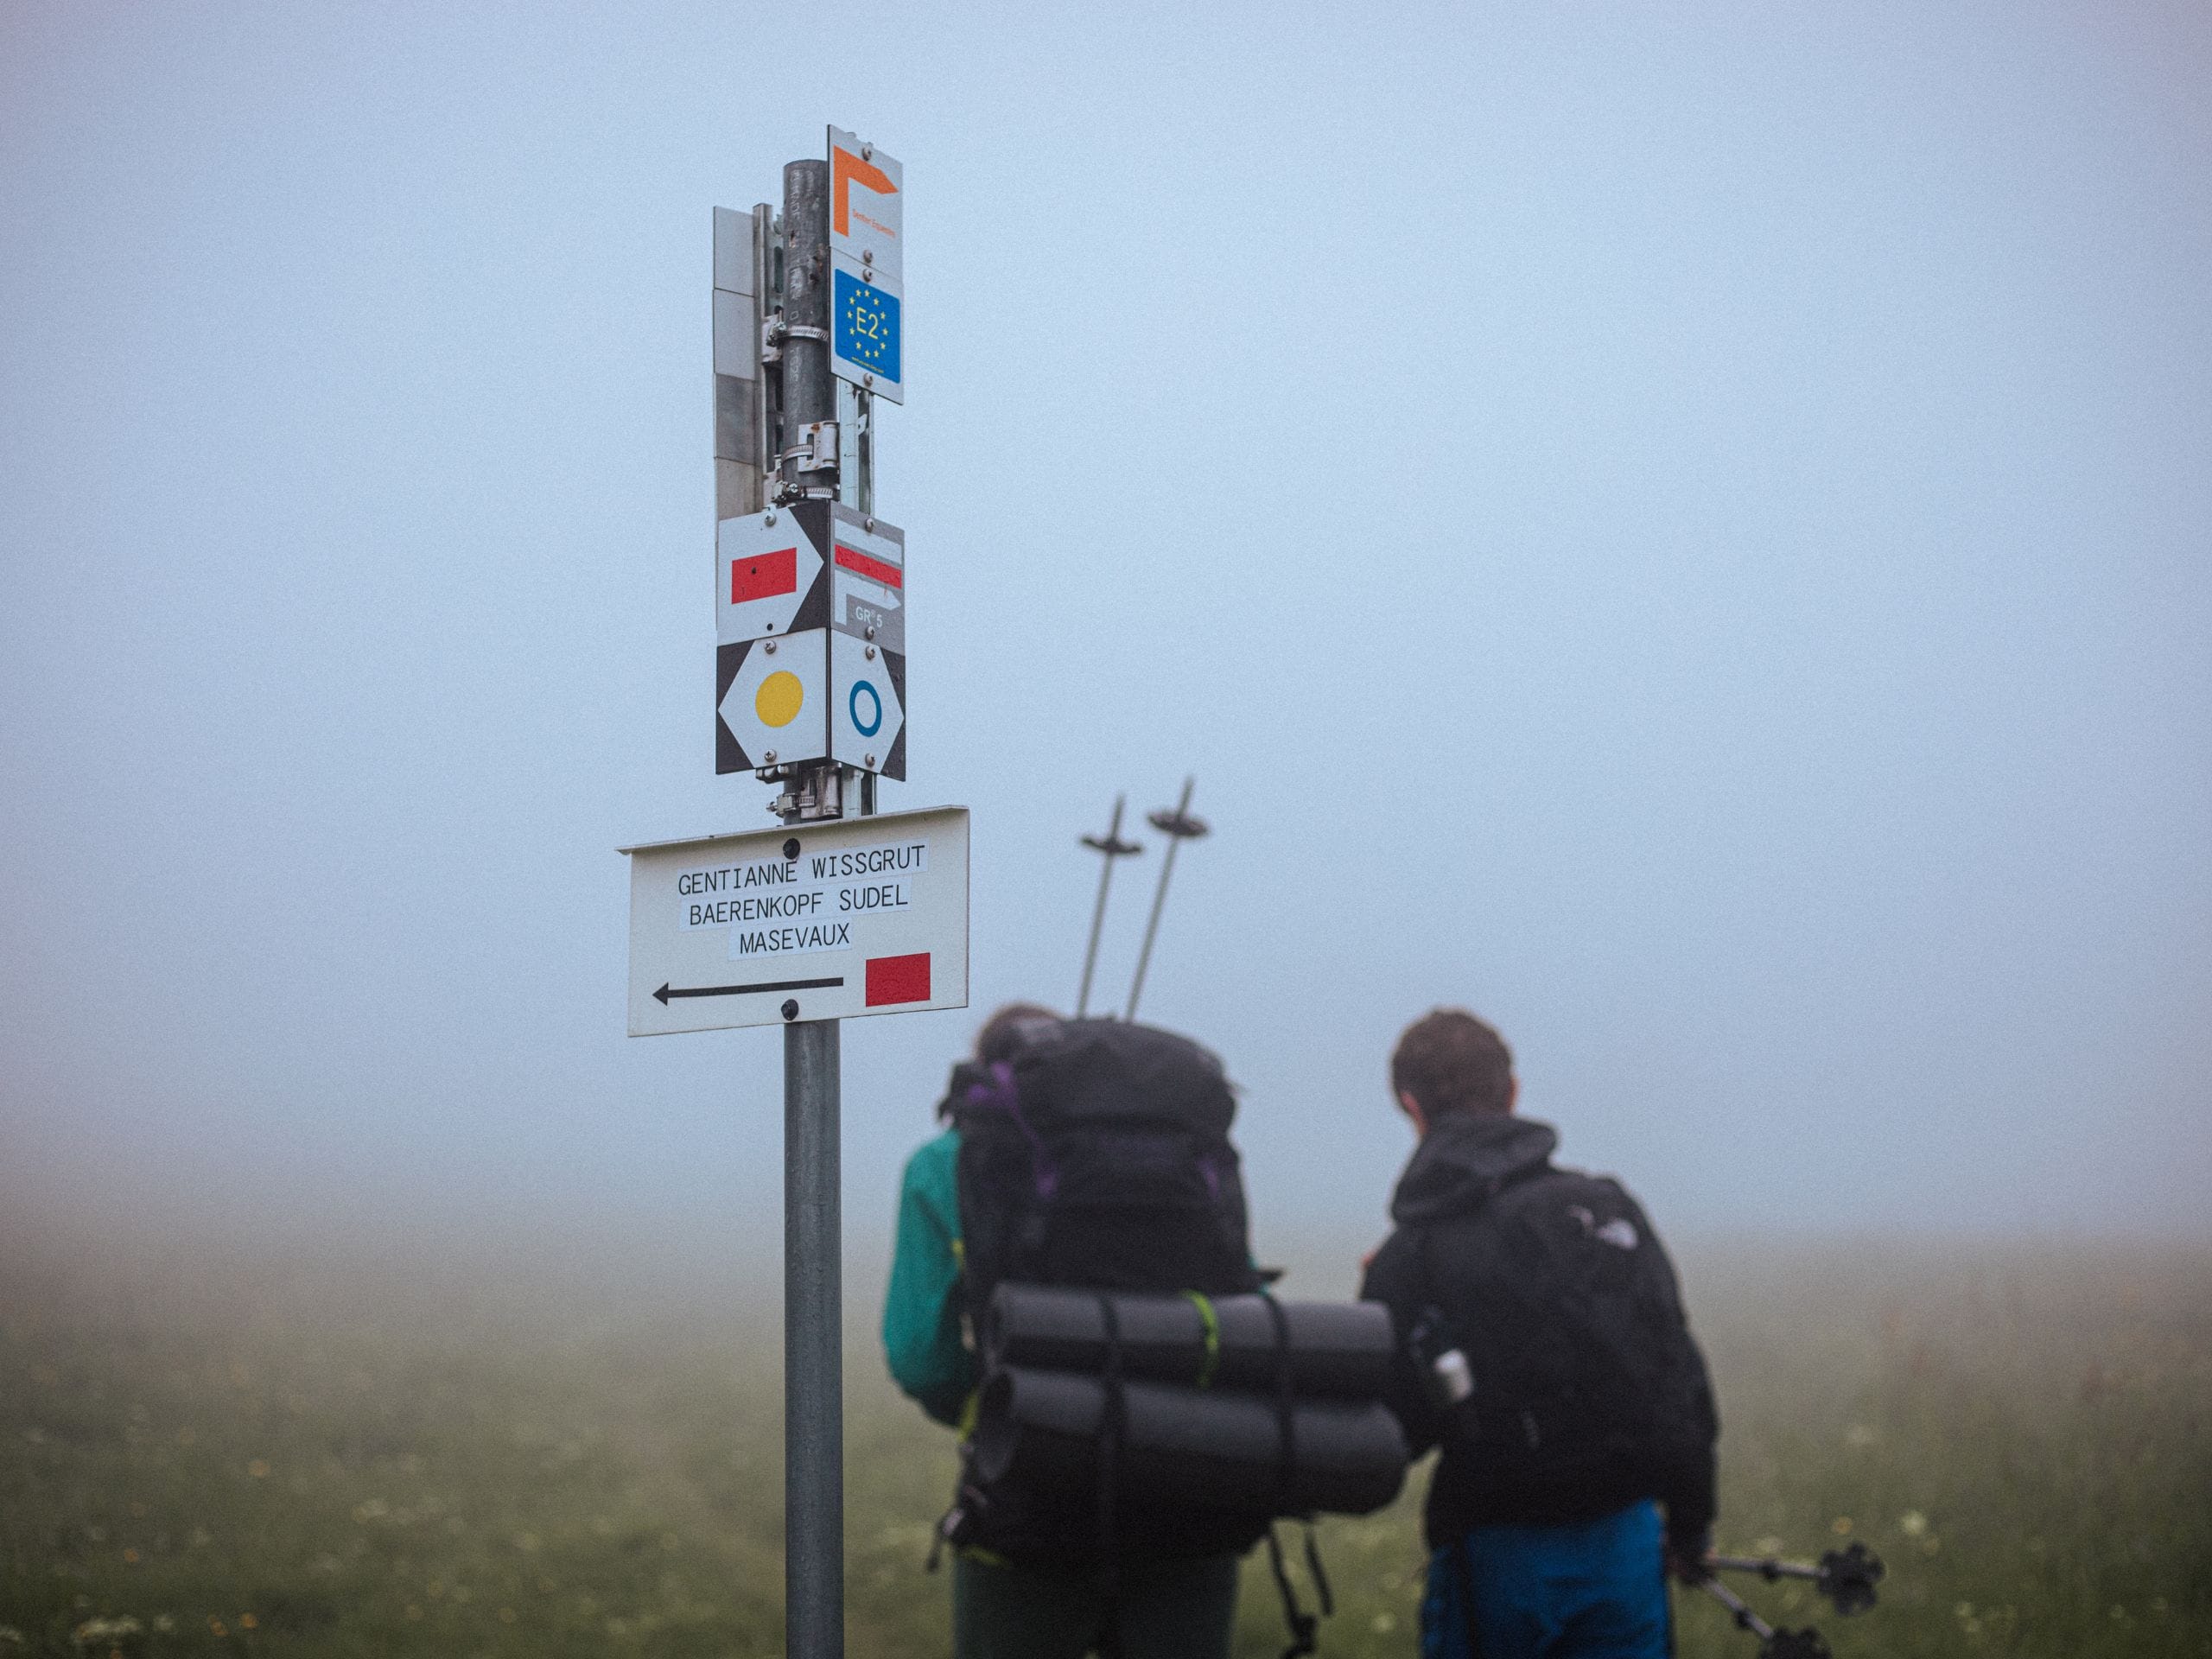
(1110, 846)
(1846, 1577)
(1807, 1643)
(1178, 826)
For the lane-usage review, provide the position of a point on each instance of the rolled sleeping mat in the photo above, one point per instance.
(1189, 1445)
(1336, 1348)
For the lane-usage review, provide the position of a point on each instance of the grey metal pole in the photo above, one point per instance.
(814, 1419)
(813, 1406)
(1111, 848)
(810, 394)
(806, 464)
(1178, 827)
(1745, 1618)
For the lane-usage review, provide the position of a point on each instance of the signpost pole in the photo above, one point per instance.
(808, 394)
(810, 663)
(814, 1420)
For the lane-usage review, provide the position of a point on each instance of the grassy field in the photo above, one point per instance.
(342, 1468)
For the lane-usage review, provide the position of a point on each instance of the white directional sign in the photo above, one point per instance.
(868, 195)
(768, 573)
(814, 921)
(867, 581)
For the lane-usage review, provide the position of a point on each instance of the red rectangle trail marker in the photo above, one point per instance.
(875, 569)
(898, 979)
(763, 575)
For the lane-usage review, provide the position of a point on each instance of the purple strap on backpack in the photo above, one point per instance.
(1000, 1095)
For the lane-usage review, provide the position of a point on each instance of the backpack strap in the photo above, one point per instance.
(1286, 1404)
(1426, 1232)
(1005, 1235)
(1305, 1627)
(1112, 1422)
(1320, 1574)
(1209, 1326)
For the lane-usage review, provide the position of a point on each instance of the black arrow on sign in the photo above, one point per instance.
(666, 992)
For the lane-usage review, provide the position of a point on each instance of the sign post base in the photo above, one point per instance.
(814, 1422)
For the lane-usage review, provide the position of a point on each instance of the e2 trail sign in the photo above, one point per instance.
(868, 267)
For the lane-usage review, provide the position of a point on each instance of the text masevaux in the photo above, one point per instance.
(791, 941)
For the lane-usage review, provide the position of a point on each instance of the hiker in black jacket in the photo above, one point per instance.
(1547, 1353)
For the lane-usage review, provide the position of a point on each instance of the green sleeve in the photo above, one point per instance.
(921, 1313)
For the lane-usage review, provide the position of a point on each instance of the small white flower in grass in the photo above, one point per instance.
(1912, 1523)
(105, 1629)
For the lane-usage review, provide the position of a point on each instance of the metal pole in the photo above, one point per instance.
(808, 465)
(814, 1412)
(1766, 1567)
(1111, 848)
(814, 1421)
(810, 394)
(1745, 1618)
(1177, 829)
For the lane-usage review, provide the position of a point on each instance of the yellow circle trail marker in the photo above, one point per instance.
(779, 698)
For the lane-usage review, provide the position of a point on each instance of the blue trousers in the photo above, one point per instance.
(1587, 1590)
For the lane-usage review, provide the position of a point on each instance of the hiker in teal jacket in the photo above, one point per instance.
(926, 1335)
(923, 1334)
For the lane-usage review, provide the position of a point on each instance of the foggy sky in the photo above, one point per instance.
(1685, 534)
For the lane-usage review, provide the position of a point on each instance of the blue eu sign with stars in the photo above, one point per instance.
(864, 329)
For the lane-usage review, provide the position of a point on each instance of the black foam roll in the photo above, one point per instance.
(1192, 1446)
(1335, 1348)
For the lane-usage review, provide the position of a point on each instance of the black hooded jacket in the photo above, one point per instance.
(1545, 1278)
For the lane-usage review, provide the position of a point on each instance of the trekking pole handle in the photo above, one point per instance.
(1178, 826)
(1109, 846)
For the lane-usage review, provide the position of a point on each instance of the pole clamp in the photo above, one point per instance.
(815, 450)
(813, 791)
(774, 331)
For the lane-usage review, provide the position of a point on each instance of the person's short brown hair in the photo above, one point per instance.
(1009, 1028)
(1449, 1061)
